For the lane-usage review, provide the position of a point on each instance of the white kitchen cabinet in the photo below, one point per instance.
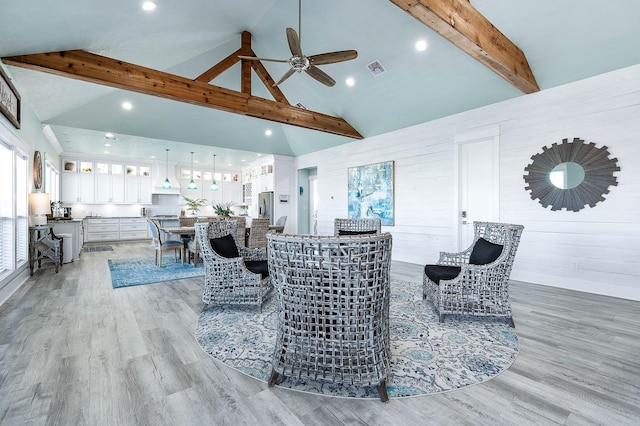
(133, 228)
(116, 229)
(77, 187)
(109, 180)
(102, 230)
(138, 184)
(105, 182)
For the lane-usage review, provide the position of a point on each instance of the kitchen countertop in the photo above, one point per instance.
(113, 217)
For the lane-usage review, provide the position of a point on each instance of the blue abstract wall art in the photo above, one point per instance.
(371, 192)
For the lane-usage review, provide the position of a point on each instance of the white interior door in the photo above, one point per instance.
(478, 183)
(313, 205)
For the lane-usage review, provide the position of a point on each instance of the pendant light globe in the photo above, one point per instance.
(192, 182)
(214, 185)
(166, 184)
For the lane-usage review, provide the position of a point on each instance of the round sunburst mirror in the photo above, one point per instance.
(571, 175)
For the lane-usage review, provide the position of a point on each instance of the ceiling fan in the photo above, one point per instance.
(299, 62)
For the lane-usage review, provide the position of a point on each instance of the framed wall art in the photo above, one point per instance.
(9, 100)
(371, 192)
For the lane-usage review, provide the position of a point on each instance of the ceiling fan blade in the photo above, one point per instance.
(294, 42)
(285, 76)
(333, 57)
(321, 76)
(254, 58)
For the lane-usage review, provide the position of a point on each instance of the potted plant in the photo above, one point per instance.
(222, 209)
(244, 209)
(194, 204)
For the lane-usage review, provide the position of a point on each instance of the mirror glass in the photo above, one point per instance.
(567, 175)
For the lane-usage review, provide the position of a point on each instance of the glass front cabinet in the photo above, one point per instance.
(104, 181)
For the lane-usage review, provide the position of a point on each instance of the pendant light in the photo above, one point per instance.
(166, 184)
(192, 183)
(214, 185)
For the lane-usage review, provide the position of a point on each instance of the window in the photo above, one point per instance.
(52, 181)
(14, 213)
(6, 210)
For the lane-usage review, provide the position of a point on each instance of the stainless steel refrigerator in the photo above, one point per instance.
(265, 205)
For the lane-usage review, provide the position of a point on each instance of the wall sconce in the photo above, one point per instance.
(40, 205)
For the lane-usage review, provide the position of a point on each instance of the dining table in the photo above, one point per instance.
(185, 233)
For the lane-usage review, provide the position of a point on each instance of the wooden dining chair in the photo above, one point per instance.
(258, 232)
(162, 246)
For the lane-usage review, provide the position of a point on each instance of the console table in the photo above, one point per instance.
(44, 244)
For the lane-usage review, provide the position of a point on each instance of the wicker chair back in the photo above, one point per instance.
(258, 232)
(353, 226)
(333, 298)
(227, 280)
(186, 221)
(481, 290)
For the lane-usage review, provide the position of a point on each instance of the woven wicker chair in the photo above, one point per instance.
(258, 232)
(356, 226)
(193, 248)
(161, 245)
(230, 280)
(333, 308)
(475, 281)
(186, 221)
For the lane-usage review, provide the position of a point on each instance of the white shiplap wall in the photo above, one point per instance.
(595, 250)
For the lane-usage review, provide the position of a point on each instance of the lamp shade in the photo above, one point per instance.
(39, 203)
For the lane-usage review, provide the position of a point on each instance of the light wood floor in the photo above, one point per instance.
(74, 351)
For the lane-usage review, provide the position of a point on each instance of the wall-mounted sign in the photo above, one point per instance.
(9, 100)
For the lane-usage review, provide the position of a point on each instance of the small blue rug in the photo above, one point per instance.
(426, 356)
(139, 271)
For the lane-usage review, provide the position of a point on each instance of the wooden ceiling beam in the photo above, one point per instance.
(246, 66)
(220, 67)
(85, 66)
(267, 80)
(460, 23)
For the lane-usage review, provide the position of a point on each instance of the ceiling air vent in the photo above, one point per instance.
(376, 68)
(299, 105)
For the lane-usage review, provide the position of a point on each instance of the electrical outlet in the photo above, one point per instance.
(576, 266)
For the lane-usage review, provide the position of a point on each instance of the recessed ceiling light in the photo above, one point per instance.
(153, 156)
(421, 45)
(109, 135)
(350, 81)
(127, 105)
(106, 152)
(268, 132)
(107, 144)
(148, 6)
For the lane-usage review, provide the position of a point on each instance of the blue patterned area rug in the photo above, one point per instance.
(139, 271)
(427, 357)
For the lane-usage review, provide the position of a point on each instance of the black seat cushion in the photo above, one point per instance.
(440, 272)
(345, 232)
(484, 252)
(258, 267)
(225, 246)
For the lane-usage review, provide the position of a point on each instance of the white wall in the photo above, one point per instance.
(603, 242)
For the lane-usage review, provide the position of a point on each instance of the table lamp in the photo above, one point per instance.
(40, 205)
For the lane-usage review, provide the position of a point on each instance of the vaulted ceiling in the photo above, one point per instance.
(562, 42)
